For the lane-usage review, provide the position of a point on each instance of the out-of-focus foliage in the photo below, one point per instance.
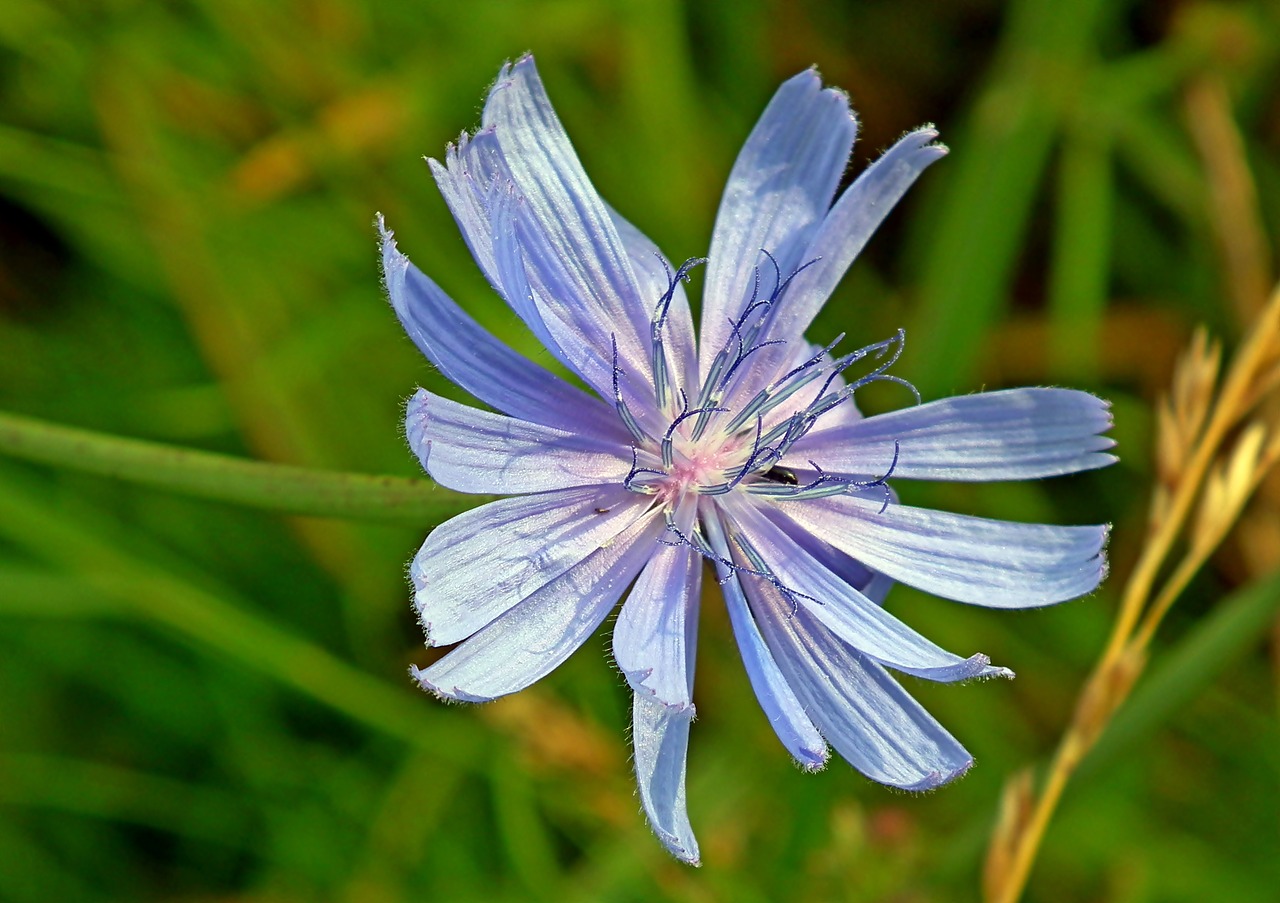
(200, 702)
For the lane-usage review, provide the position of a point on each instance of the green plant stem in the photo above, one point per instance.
(224, 478)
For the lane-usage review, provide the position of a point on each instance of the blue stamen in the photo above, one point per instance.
(744, 355)
(769, 398)
(621, 406)
(813, 361)
(659, 320)
(751, 462)
(629, 480)
(668, 453)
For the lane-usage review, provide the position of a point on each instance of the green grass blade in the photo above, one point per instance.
(1234, 626)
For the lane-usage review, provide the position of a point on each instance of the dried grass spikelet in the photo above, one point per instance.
(1181, 416)
(1016, 808)
(1104, 693)
(1229, 485)
(1204, 481)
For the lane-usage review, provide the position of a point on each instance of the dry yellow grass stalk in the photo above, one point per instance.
(1204, 480)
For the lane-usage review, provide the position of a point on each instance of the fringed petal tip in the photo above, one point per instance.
(675, 707)
(395, 265)
(432, 636)
(416, 419)
(1100, 557)
(675, 848)
(927, 136)
(936, 779)
(423, 624)
(995, 672)
(811, 79)
(811, 761)
(510, 71)
(926, 139)
(984, 670)
(975, 667)
(451, 694)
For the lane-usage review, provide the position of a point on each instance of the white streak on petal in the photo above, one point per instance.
(785, 713)
(472, 358)
(869, 719)
(849, 614)
(575, 260)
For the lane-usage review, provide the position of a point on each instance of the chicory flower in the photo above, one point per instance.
(739, 444)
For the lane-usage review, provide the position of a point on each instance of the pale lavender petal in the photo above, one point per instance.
(869, 719)
(657, 627)
(476, 451)
(478, 188)
(473, 181)
(660, 736)
(853, 572)
(785, 713)
(777, 194)
(503, 204)
(577, 264)
(653, 272)
(849, 225)
(970, 559)
(472, 358)
(654, 642)
(1015, 434)
(585, 331)
(476, 566)
(471, 168)
(843, 610)
(532, 639)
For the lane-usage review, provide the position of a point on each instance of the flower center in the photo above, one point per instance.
(729, 438)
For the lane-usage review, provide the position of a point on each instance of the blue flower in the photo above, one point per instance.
(742, 446)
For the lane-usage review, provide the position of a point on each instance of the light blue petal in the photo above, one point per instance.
(656, 631)
(508, 259)
(478, 188)
(473, 359)
(533, 638)
(869, 719)
(476, 566)
(653, 272)
(585, 330)
(848, 227)
(577, 265)
(969, 559)
(476, 451)
(777, 194)
(472, 166)
(1015, 434)
(851, 616)
(660, 735)
(866, 581)
(785, 713)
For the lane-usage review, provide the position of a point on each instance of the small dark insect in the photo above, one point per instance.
(603, 510)
(781, 475)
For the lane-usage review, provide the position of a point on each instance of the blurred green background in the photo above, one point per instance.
(199, 702)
